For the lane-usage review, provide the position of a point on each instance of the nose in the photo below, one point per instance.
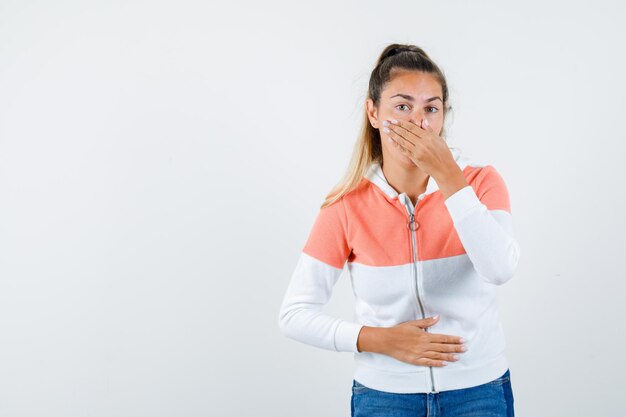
(418, 116)
(418, 120)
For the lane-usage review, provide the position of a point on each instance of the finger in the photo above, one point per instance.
(447, 347)
(425, 361)
(395, 142)
(410, 130)
(391, 136)
(427, 320)
(444, 338)
(397, 138)
(398, 144)
(401, 134)
(452, 357)
(423, 323)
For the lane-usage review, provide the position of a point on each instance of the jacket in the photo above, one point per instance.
(441, 257)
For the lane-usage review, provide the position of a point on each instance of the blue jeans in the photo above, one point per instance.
(491, 399)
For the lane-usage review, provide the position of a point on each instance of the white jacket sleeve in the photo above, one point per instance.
(482, 218)
(319, 266)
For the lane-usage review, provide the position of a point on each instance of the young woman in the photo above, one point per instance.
(427, 236)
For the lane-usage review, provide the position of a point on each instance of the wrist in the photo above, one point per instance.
(371, 339)
(451, 182)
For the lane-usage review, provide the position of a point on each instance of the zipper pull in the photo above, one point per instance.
(411, 222)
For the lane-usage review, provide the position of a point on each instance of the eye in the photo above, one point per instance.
(436, 109)
(400, 105)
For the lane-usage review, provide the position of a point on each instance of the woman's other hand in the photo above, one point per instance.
(410, 343)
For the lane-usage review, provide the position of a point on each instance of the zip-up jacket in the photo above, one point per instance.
(406, 262)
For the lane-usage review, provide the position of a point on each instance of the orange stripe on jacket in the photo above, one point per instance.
(368, 227)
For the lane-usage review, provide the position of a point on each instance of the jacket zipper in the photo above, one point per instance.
(411, 225)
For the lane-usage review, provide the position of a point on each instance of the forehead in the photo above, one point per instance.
(415, 83)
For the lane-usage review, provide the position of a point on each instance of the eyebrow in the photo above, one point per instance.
(410, 98)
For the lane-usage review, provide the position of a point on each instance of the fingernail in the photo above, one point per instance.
(394, 121)
(462, 340)
(385, 123)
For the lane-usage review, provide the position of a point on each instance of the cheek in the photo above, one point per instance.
(382, 116)
(392, 147)
(386, 143)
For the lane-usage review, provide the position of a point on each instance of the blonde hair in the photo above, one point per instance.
(367, 148)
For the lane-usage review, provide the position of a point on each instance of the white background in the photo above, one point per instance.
(161, 164)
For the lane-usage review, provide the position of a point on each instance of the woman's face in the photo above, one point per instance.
(410, 96)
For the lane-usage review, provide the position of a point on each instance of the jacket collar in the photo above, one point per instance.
(376, 176)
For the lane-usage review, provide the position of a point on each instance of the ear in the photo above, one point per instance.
(372, 112)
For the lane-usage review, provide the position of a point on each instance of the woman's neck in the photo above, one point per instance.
(412, 181)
